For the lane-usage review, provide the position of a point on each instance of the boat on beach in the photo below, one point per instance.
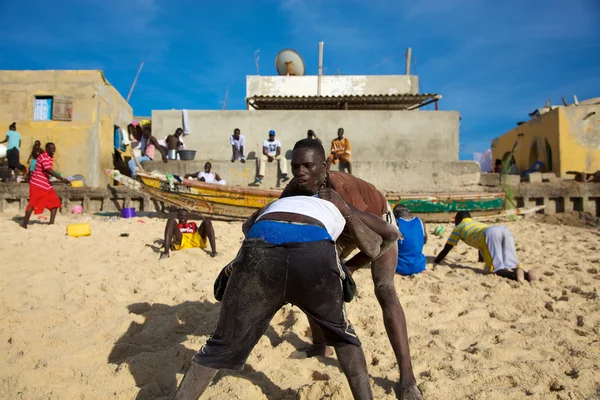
(236, 203)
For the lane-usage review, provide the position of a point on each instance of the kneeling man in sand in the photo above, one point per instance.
(181, 234)
(496, 243)
(288, 256)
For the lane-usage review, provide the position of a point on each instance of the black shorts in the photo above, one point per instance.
(13, 158)
(264, 278)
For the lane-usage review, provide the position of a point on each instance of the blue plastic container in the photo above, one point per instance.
(128, 212)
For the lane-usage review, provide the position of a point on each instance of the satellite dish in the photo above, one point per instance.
(289, 62)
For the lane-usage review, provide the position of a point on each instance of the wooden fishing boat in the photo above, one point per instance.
(222, 202)
(238, 203)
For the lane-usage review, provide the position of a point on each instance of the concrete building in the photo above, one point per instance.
(331, 85)
(393, 145)
(77, 110)
(563, 138)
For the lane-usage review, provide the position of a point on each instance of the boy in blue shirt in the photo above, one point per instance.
(411, 259)
(12, 150)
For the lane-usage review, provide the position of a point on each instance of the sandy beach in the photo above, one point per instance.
(100, 317)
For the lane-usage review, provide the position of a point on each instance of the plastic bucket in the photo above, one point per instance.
(77, 230)
(186, 155)
(2, 150)
(128, 212)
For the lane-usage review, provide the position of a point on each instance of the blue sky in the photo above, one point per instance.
(494, 61)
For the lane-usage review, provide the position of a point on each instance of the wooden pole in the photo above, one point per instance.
(320, 68)
(408, 57)
(135, 81)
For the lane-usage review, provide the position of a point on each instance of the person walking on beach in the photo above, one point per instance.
(341, 150)
(41, 193)
(36, 150)
(411, 259)
(271, 152)
(309, 168)
(288, 256)
(237, 142)
(181, 234)
(496, 243)
(13, 151)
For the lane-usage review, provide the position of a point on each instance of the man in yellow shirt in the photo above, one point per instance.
(496, 243)
(340, 150)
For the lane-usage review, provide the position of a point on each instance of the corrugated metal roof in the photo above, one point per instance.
(352, 102)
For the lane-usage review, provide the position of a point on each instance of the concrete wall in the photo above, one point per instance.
(572, 133)
(331, 85)
(84, 144)
(375, 135)
(535, 133)
(580, 138)
(393, 177)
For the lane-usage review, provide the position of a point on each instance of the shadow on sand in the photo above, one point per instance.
(153, 351)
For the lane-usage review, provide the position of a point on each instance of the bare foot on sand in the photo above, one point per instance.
(531, 275)
(410, 392)
(520, 275)
(318, 350)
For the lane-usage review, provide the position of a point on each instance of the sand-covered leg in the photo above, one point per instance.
(318, 348)
(195, 382)
(394, 320)
(353, 363)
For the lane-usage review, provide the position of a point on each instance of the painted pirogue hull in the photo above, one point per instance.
(449, 202)
(236, 203)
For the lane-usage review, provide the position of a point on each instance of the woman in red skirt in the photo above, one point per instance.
(41, 193)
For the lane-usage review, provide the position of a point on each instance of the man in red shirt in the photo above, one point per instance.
(41, 193)
(181, 234)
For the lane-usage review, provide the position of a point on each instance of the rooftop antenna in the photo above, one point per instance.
(256, 58)
(226, 95)
(289, 63)
(135, 81)
(320, 68)
(408, 57)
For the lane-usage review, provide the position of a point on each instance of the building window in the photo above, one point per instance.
(43, 108)
(53, 108)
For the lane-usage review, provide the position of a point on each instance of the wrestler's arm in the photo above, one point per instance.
(388, 233)
(367, 241)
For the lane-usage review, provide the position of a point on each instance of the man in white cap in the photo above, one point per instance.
(272, 151)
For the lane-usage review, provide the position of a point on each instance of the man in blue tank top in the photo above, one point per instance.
(411, 259)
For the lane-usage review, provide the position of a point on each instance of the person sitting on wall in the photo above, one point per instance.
(207, 176)
(340, 151)
(495, 242)
(173, 143)
(411, 259)
(237, 141)
(135, 137)
(181, 234)
(149, 144)
(310, 134)
(271, 151)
